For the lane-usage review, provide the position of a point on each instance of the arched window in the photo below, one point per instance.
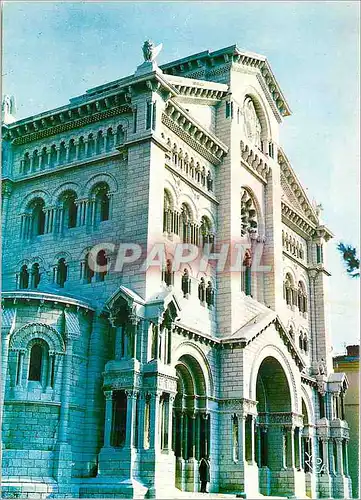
(175, 155)
(88, 273)
(186, 218)
(43, 158)
(168, 274)
(301, 298)
(81, 148)
(186, 164)
(203, 177)
(191, 168)
(180, 159)
(109, 143)
(102, 261)
(300, 341)
(70, 209)
(209, 181)
(207, 233)
(26, 164)
(291, 332)
(24, 277)
(35, 275)
(72, 150)
(62, 153)
(36, 361)
(102, 203)
(91, 145)
(202, 290)
(61, 272)
(53, 155)
(305, 343)
(288, 290)
(246, 275)
(186, 283)
(210, 294)
(249, 223)
(198, 172)
(37, 217)
(170, 217)
(120, 135)
(100, 142)
(35, 160)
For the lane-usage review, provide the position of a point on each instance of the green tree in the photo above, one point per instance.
(350, 259)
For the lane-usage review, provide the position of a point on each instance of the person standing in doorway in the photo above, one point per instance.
(204, 476)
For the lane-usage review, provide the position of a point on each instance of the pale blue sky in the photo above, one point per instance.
(56, 50)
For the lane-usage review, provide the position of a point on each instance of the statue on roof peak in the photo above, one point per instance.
(8, 109)
(150, 51)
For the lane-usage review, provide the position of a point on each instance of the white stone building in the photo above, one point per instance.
(116, 381)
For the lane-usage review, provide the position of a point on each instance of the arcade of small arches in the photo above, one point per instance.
(291, 245)
(76, 149)
(295, 297)
(206, 291)
(29, 277)
(303, 339)
(183, 224)
(189, 167)
(69, 211)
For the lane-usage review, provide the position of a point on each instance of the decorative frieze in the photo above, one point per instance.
(22, 134)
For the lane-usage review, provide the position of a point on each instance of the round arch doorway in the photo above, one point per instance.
(191, 423)
(277, 440)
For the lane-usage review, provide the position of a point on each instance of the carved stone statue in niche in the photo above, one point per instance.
(252, 124)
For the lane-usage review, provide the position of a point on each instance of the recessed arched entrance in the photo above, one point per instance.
(278, 441)
(191, 422)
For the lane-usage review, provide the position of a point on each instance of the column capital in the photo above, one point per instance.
(108, 395)
(132, 393)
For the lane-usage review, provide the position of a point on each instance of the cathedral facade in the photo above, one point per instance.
(164, 293)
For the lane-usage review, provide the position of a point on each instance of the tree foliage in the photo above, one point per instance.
(350, 259)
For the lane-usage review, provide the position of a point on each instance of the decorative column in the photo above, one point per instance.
(324, 441)
(62, 450)
(185, 435)
(60, 219)
(20, 367)
(181, 444)
(6, 189)
(141, 421)
(258, 447)
(93, 210)
(346, 458)
(170, 420)
(129, 434)
(65, 393)
(242, 439)
(154, 420)
(108, 418)
(252, 439)
(339, 459)
(198, 435)
(50, 370)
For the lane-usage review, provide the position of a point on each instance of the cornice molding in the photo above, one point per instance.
(296, 187)
(53, 125)
(254, 161)
(193, 133)
(297, 221)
